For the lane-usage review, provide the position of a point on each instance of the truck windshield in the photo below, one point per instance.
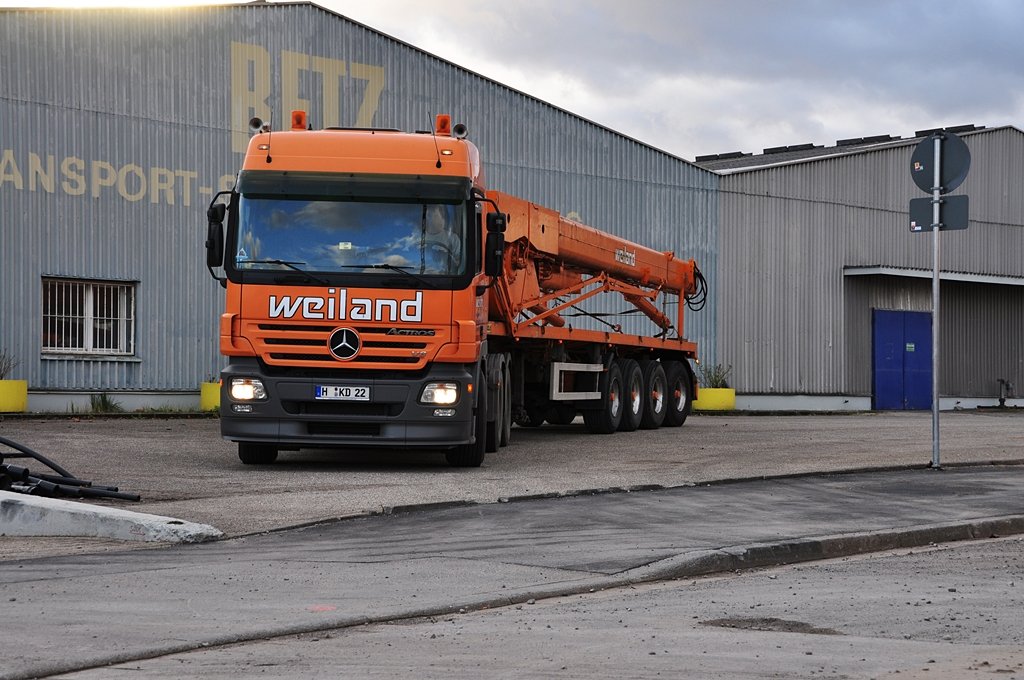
(333, 236)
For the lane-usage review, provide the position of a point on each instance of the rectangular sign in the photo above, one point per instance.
(343, 392)
(953, 213)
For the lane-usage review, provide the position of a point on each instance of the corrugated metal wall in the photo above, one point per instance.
(789, 323)
(982, 328)
(121, 137)
(109, 159)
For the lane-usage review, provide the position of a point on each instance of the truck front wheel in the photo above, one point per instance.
(472, 454)
(256, 454)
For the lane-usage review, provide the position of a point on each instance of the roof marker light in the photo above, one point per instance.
(443, 125)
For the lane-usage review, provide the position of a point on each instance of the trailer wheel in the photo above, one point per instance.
(606, 418)
(680, 392)
(256, 454)
(655, 395)
(472, 454)
(633, 395)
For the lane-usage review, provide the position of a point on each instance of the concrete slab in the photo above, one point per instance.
(25, 515)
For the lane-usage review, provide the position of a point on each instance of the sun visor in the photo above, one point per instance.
(255, 183)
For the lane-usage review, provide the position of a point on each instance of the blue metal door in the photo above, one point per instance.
(917, 360)
(901, 360)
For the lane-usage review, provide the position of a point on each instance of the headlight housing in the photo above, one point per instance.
(247, 389)
(440, 393)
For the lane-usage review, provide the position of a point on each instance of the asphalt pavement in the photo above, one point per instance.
(954, 611)
(85, 611)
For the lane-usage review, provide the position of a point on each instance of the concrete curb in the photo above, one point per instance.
(23, 515)
(794, 551)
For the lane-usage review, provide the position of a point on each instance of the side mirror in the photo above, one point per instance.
(497, 222)
(494, 251)
(215, 235)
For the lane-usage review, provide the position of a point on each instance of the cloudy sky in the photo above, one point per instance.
(699, 77)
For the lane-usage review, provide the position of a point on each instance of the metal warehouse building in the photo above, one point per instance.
(824, 291)
(118, 126)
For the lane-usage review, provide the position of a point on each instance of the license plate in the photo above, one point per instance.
(343, 392)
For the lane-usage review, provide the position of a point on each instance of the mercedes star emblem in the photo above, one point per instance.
(344, 344)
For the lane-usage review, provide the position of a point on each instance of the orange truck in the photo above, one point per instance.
(378, 295)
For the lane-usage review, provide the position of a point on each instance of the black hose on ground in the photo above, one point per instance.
(20, 479)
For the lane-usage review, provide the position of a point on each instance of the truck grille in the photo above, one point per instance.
(315, 408)
(302, 345)
(344, 429)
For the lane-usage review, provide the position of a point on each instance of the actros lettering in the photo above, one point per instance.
(338, 307)
(420, 332)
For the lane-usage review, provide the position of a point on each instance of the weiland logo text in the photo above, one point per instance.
(338, 307)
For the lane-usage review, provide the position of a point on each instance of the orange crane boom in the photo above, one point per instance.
(552, 263)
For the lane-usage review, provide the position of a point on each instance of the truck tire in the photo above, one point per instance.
(561, 414)
(472, 454)
(606, 418)
(506, 379)
(256, 454)
(492, 441)
(655, 395)
(680, 393)
(532, 414)
(633, 395)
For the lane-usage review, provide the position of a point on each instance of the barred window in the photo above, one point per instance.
(88, 317)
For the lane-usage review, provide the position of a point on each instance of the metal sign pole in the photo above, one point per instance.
(946, 213)
(936, 200)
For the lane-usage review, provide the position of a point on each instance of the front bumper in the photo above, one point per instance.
(292, 417)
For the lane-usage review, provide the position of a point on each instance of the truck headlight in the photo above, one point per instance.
(440, 393)
(247, 389)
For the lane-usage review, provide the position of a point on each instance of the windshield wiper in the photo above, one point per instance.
(393, 268)
(291, 265)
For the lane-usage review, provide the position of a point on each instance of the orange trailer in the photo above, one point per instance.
(377, 294)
